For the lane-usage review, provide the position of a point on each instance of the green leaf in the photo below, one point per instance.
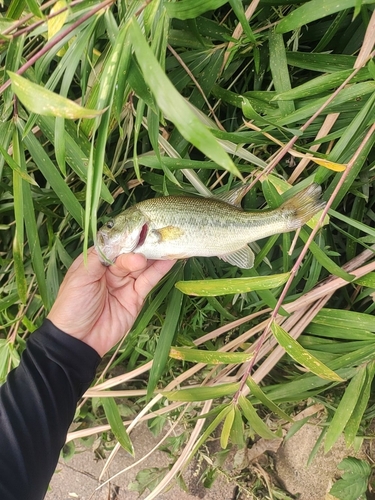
(34, 8)
(42, 101)
(354, 481)
(254, 420)
(213, 288)
(19, 269)
(340, 318)
(14, 166)
(227, 426)
(173, 104)
(313, 10)
(237, 432)
(324, 260)
(53, 176)
(190, 9)
(238, 9)
(345, 409)
(355, 420)
(114, 419)
(264, 399)
(209, 357)
(280, 71)
(213, 425)
(299, 354)
(321, 84)
(202, 393)
(167, 333)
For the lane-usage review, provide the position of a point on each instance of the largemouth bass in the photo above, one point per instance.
(177, 227)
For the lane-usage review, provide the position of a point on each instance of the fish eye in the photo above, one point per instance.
(110, 224)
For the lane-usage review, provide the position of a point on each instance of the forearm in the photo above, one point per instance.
(37, 405)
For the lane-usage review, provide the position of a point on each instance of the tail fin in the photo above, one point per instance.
(304, 205)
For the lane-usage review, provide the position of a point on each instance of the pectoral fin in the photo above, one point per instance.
(169, 233)
(244, 258)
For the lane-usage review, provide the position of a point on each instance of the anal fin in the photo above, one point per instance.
(243, 258)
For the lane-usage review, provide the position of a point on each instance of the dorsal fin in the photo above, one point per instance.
(234, 196)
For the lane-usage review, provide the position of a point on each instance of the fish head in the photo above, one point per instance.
(122, 234)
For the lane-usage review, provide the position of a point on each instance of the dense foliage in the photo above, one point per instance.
(104, 104)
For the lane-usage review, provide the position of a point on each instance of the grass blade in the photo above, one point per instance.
(167, 334)
(114, 419)
(345, 408)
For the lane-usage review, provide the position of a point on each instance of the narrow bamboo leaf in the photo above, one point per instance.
(42, 101)
(321, 84)
(190, 9)
(32, 229)
(345, 409)
(313, 10)
(34, 8)
(14, 166)
(237, 433)
(340, 318)
(336, 167)
(60, 144)
(202, 393)
(352, 222)
(238, 9)
(227, 426)
(213, 288)
(279, 70)
(324, 260)
(299, 354)
(100, 132)
(18, 241)
(351, 429)
(114, 419)
(175, 163)
(264, 399)
(167, 333)
(254, 420)
(210, 429)
(19, 270)
(77, 149)
(55, 24)
(209, 357)
(54, 178)
(368, 280)
(173, 104)
(324, 63)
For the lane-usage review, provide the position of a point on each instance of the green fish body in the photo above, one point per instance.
(177, 227)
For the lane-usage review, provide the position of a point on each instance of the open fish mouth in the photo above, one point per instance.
(142, 236)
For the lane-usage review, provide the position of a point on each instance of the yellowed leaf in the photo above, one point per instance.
(336, 167)
(55, 23)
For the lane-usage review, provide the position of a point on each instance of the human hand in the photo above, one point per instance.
(99, 304)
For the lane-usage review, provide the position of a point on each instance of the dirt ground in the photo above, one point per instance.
(78, 477)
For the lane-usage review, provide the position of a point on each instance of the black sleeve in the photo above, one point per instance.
(37, 405)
